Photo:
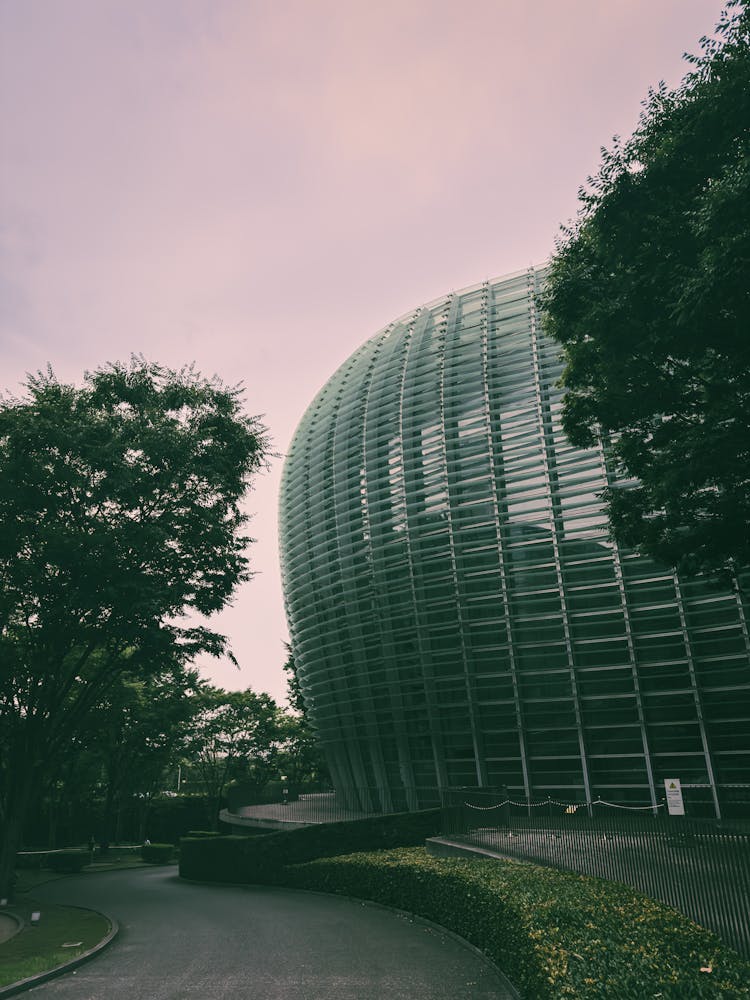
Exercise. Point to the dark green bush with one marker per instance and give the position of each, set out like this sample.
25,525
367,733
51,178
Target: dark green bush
255,859
31,859
555,934
157,854
67,861
170,818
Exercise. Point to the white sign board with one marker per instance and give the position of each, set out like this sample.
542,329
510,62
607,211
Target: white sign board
675,805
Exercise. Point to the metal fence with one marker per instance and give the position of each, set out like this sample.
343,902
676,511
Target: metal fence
337,806
700,867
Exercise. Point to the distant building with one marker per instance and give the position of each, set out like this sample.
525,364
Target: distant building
458,614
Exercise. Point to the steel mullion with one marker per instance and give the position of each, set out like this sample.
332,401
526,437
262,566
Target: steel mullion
504,595
549,461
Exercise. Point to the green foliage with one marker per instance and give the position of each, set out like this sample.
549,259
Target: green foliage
234,735
649,292
157,854
302,759
67,861
120,508
171,817
136,732
31,860
555,934
256,859
201,834
293,687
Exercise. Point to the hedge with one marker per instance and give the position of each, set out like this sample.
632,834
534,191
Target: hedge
157,854
555,934
256,859
67,861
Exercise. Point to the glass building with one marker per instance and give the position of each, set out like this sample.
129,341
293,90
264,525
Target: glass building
458,614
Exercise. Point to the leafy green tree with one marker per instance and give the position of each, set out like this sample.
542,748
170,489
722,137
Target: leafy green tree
649,292
119,513
236,735
139,731
302,759
293,686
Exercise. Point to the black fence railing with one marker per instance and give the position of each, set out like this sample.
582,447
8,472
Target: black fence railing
700,867
337,806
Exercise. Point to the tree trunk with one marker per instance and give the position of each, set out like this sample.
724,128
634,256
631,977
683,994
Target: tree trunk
18,805
108,820
52,820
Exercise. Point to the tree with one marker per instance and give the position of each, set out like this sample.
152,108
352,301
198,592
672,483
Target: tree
649,292
119,513
302,759
137,732
127,752
236,735
293,686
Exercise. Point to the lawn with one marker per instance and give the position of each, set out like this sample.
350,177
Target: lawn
62,933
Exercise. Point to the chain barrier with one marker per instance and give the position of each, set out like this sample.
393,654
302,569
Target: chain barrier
616,805
568,806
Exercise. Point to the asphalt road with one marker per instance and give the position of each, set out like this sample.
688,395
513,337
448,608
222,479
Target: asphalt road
180,941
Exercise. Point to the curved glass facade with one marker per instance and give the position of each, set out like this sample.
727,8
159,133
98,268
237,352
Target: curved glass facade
458,615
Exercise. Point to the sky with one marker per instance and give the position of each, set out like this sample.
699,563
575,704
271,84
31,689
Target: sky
258,186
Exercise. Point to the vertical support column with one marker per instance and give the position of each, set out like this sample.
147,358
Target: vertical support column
736,590
338,701
425,663
696,696
544,416
480,762
406,771
348,571
619,576
498,489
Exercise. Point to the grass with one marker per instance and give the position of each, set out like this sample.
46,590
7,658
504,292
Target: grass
555,934
38,948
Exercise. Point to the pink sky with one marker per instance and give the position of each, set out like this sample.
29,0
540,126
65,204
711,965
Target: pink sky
260,186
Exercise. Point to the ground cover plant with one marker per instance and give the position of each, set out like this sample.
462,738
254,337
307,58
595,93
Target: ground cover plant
39,948
555,934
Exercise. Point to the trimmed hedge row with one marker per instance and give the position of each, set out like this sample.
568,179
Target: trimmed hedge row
257,859
67,861
555,934
157,854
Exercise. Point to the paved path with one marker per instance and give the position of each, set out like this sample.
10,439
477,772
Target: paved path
180,941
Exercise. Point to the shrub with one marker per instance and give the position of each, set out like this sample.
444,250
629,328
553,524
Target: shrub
157,854
33,860
555,934
170,818
67,861
255,859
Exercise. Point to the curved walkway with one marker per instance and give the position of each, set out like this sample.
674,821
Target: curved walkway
180,941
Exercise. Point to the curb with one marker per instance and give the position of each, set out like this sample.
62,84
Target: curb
42,977
425,922
19,921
